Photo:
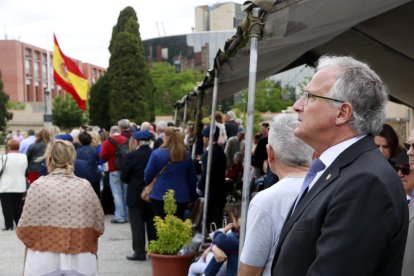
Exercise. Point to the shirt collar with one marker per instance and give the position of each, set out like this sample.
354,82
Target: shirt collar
329,155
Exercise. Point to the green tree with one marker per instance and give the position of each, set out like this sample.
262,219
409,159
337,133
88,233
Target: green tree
99,103
66,114
270,96
131,88
5,115
171,86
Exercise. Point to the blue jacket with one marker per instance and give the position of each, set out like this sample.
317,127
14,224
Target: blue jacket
88,154
179,176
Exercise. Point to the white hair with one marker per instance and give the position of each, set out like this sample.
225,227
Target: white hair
230,114
161,126
289,149
114,129
145,126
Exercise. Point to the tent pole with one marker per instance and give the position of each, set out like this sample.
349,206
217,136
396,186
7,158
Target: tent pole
185,112
175,116
254,36
210,152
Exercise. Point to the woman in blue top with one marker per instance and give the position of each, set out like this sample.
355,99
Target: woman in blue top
179,173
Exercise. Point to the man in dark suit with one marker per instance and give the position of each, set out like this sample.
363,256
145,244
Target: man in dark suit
352,218
230,125
140,213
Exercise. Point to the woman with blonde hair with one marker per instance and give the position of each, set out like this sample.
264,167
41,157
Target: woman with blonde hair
62,219
53,131
173,168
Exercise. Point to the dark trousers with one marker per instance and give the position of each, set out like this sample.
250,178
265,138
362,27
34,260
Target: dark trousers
107,199
215,214
12,205
158,208
141,218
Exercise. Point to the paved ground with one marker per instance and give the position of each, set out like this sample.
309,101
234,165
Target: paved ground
114,245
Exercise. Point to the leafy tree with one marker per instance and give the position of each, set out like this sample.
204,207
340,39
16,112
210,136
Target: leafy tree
99,103
131,89
171,86
66,113
270,96
5,116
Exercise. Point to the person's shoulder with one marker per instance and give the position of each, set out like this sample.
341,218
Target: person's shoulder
281,189
160,151
17,156
119,138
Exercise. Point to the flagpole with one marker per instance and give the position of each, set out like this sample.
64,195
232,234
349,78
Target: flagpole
47,117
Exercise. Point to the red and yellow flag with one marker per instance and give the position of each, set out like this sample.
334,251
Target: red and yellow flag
67,74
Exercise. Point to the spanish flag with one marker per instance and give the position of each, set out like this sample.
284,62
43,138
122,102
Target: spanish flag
67,74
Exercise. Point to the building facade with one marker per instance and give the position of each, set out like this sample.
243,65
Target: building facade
24,75
24,72
218,17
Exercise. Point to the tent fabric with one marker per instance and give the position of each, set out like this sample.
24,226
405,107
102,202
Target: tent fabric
299,31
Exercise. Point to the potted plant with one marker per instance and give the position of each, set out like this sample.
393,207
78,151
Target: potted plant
172,234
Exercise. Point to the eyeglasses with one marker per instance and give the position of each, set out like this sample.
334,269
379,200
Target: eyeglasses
404,170
307,95
408,145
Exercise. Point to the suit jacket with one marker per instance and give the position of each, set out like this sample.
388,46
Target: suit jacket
133,174
408,265
353,221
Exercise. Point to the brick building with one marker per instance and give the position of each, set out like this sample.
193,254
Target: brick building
24,72
24,75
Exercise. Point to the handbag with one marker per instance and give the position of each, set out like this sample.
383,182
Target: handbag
147,189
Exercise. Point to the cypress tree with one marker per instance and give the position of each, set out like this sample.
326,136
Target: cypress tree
131,86
99,103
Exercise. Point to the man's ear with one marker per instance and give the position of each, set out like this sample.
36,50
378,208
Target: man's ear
270,154
344,114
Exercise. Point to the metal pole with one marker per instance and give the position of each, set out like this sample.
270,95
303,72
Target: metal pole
175,116
254,35
210,152
47,117
185,112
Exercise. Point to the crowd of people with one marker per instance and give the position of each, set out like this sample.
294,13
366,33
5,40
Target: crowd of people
333,197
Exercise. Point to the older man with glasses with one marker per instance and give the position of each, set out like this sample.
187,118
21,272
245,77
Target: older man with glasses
349,217
408,265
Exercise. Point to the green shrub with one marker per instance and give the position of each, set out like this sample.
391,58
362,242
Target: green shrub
172,232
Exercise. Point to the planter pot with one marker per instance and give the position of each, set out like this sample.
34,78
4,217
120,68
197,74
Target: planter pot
170,265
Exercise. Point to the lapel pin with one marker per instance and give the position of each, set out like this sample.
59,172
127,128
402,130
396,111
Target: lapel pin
328,177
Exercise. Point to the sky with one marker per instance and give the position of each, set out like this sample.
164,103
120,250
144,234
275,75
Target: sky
84,27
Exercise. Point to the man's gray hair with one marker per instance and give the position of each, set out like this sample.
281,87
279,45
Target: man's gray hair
145,126
161,126
289,149
114,129
230,115
123,123
359,85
